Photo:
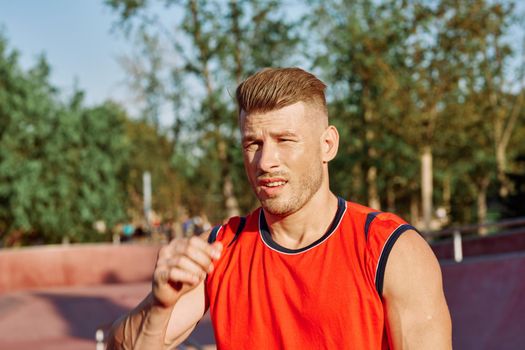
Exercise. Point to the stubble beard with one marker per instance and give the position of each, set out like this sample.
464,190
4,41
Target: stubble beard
301,192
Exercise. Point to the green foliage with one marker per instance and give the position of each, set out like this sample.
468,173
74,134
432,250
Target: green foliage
151,151
60,164
403,76
214,45
410,75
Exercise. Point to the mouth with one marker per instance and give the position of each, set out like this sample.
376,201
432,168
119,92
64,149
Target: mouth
275,184
271,182
271,186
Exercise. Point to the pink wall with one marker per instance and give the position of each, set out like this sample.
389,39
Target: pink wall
489,245
87,264
485,297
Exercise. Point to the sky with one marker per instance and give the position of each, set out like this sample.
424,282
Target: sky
77,40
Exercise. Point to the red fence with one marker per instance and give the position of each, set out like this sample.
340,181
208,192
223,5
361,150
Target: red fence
74,265
485,297
463,241
485,294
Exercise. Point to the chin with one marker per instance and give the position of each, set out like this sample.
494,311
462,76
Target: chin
278,207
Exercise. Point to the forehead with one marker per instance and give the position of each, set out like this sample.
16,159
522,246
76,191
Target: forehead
290,117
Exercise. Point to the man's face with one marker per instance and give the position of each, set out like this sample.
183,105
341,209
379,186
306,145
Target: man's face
282,156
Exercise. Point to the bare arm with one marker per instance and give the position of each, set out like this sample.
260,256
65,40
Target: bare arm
417,312
170,312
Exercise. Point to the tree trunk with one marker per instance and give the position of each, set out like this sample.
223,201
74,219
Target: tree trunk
426,186
237,37
414,208
230,201
501,161
390,198
371,183
232,207
371,172
447,192
482,204
504,122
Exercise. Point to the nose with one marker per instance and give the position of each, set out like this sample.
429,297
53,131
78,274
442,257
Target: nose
268,157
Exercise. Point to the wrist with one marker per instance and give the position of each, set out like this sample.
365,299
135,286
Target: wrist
159,307
155,318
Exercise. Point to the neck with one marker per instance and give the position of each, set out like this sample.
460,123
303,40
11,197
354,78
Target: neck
299,229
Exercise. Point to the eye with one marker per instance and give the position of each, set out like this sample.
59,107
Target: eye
252,146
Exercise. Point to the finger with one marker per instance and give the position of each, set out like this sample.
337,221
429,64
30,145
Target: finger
203,258
213,250
176,275
187,264
184,276
217,247
174,245
198,250
179,245
195,248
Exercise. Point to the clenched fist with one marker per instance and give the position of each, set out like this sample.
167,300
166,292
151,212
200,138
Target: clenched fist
181,266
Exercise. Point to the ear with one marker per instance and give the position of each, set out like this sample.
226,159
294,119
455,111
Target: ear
329,143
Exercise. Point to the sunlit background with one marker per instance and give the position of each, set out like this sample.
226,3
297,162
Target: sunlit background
118,127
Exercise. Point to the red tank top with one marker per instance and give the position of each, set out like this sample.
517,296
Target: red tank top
323,296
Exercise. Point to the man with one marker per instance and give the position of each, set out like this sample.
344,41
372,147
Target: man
307,270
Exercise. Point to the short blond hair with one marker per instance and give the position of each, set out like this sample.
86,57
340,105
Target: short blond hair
275,88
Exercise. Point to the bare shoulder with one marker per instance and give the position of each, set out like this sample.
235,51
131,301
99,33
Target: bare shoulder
412,269
416,308
410,253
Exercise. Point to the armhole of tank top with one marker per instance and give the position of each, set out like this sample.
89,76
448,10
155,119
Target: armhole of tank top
369,218
213,234
385,252
242,222
215,231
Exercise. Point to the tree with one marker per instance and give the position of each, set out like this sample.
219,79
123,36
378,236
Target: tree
212,46
365,52
59,162
409,78
150,150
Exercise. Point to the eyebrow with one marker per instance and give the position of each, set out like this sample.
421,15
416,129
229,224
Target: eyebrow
284,133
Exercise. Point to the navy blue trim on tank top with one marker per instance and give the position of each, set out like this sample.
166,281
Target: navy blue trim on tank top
389,244
268,240
242,222
369,218
213,234
214,231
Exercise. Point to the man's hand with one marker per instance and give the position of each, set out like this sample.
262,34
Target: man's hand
181,266
169,313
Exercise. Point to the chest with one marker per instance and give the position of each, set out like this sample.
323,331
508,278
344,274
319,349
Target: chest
322,286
